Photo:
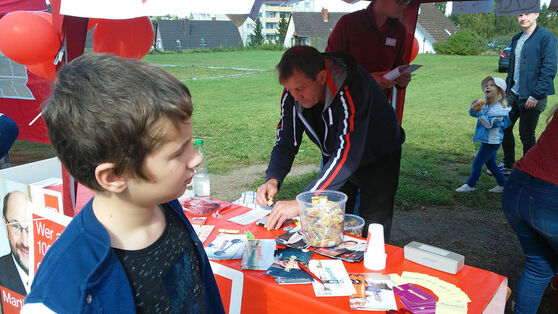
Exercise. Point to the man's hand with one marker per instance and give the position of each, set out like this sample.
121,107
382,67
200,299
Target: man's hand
282,211
267,191
383,82
403,80
530,103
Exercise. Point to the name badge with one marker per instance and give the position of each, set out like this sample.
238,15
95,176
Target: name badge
391,42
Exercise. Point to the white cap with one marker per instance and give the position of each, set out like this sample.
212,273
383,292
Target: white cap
500,82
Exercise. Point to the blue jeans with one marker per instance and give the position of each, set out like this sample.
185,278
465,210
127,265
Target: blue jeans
486,155
528,119
531,208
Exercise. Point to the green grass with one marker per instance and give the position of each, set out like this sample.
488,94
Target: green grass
237,115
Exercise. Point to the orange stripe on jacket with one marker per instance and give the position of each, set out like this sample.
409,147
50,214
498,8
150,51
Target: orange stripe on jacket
347,146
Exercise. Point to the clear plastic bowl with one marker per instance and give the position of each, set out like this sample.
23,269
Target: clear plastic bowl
353,225
322,223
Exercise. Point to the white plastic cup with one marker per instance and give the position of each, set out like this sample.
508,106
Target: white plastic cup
375,254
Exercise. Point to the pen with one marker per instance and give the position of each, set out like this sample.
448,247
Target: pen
303,267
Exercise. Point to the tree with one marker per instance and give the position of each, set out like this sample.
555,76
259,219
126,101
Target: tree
548,19
441,6
257,38
282,30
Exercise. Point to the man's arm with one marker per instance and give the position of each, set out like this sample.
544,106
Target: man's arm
289,136
547,70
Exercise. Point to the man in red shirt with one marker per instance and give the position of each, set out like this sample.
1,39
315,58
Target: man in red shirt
375,38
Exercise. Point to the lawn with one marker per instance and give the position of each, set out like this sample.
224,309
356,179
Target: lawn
236,108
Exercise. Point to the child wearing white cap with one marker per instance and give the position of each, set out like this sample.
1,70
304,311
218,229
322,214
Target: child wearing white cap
492,113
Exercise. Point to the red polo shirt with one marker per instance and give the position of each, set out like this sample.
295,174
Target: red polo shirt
541,161
375,49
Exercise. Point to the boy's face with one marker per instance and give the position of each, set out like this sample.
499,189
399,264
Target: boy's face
169,168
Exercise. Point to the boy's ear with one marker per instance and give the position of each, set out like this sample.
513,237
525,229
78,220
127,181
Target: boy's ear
108,180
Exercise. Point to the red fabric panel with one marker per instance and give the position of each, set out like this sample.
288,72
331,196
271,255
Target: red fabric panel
24,111
7,6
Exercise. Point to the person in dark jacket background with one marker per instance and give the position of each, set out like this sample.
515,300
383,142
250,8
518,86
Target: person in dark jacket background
530,80
346,114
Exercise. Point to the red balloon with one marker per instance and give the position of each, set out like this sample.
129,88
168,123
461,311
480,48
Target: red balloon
45,70
131,38
415,49
28,38
45,15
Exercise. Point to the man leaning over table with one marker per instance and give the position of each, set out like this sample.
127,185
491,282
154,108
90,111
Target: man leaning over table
345,113
376,39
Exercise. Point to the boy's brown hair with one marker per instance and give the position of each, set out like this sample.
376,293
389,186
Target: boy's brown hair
105,108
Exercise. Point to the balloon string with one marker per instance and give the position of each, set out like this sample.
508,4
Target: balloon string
35,119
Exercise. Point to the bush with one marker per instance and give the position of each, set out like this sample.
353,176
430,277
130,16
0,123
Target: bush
461,43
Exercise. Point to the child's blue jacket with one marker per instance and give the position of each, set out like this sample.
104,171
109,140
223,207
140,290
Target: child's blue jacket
81,273
491,123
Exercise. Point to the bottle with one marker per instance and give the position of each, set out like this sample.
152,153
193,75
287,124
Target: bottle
201,173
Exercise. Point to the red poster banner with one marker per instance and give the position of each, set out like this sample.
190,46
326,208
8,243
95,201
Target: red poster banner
45,232
11,301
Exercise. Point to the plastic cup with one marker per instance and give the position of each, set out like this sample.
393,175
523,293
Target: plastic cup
353,225
375,254
322,221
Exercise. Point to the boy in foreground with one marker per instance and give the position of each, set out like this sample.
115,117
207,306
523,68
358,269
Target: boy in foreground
123,128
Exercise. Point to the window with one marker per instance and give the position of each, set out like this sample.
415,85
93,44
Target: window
270,25
269,14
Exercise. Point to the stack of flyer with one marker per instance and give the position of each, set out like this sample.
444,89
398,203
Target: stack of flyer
374,292
350,250
226,246
332,273
285,268
292,238
258,254
415,299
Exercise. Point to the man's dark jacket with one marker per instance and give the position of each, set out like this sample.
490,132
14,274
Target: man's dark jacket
538,64
353,128
9,276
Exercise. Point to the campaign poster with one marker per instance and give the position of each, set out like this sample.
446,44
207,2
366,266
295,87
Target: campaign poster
28,230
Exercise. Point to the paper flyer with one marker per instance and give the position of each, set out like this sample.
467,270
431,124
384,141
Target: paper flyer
226,246
406,68
203,231
374,292
334,276
258,254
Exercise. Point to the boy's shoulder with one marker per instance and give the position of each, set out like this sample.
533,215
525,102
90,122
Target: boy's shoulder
81,247
72,258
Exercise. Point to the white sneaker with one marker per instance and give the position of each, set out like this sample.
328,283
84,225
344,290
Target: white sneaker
464,188
497,189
